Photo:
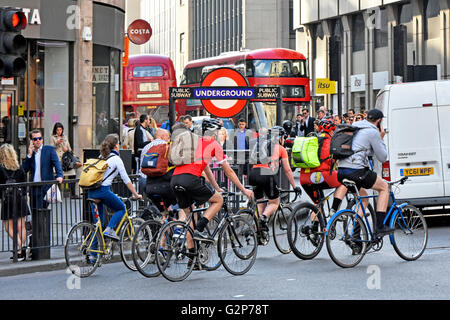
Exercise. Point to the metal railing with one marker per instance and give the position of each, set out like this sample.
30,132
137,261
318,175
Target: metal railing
29,222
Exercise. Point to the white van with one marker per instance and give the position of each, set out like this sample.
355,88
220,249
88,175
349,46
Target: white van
417,123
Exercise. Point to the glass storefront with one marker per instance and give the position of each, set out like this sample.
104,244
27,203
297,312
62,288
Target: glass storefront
48,86
106,93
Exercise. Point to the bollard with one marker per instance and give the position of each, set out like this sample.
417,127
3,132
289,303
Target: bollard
40,240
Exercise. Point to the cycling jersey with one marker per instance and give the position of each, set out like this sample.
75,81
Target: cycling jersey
207,149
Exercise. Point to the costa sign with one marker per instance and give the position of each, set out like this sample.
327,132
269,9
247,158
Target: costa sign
139,32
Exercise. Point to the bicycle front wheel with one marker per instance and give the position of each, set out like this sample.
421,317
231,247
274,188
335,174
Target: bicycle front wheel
144,248
237,245
347,239
81,242
175,262
126,236
305,235
280,227
411,233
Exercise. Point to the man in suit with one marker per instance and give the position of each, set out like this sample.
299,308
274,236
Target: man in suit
308,122
297,130
41,162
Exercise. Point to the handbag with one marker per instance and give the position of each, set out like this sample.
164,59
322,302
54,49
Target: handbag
53,195
69,161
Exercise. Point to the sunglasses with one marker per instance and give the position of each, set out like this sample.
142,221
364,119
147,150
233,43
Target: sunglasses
36,139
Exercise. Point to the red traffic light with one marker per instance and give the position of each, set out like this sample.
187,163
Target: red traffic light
12,20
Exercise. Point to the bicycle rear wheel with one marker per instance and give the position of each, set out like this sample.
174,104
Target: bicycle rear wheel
280,227
80,241
127,233
175,263
144,248
347,239
237,245
411,233
304,236
209,255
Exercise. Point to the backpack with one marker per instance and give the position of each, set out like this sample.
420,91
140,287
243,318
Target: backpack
92,174
306,152
341,141
262,150
155,161
183,147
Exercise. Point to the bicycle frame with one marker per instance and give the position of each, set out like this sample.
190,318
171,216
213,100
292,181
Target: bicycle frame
389,217
99,229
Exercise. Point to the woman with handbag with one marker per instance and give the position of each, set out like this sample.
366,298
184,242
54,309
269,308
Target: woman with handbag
14,200
61,143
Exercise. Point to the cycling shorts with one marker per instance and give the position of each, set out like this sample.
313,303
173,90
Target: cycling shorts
364,178
264,182
189,189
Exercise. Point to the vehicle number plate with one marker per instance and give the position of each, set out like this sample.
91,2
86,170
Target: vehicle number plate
417,172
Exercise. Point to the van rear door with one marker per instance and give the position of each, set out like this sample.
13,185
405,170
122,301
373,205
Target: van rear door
443,100
415,146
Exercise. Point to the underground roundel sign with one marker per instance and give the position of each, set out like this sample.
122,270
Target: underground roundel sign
224,92
139,31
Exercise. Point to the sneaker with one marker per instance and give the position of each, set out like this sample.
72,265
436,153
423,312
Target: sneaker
110,233
383,231
203,236
20,256
264,225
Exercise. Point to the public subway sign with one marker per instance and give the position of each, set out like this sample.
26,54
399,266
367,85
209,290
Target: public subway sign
139,32
224,92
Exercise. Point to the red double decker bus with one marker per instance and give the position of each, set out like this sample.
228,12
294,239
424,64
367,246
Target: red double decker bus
146,83
279,67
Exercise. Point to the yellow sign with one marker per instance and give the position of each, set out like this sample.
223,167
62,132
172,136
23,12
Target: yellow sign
417,171
20,110
325,86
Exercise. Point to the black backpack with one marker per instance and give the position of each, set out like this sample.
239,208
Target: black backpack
262,150
341,141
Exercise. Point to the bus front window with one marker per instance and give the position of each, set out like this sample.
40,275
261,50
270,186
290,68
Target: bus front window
277,68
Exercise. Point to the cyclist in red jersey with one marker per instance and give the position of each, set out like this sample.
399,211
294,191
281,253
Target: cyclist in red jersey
190,186
263,177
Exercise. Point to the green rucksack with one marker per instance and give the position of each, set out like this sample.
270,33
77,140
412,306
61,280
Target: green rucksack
306,152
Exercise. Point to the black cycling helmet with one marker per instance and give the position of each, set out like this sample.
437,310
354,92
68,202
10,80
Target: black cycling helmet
287,125
211,124
278,130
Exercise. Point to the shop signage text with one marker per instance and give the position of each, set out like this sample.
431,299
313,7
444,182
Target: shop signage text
139,32
100,74
33,15
325,86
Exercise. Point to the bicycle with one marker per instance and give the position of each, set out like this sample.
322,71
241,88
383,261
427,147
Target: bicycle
305,227
145,251
86,248
349,236
235,237
279,221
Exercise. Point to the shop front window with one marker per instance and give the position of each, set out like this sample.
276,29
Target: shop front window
106,93
48,87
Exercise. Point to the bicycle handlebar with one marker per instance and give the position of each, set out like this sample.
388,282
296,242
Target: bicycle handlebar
400,181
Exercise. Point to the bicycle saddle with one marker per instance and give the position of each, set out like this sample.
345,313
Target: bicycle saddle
348,183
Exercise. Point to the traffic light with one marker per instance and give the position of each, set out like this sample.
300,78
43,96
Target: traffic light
12,44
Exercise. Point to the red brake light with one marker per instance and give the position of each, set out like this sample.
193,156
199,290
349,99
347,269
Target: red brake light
386,171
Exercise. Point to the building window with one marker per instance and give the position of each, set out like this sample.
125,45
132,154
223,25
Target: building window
381,35
358,33
405,14
431,29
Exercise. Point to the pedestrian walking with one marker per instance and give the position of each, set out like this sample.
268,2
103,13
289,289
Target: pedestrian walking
14,203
